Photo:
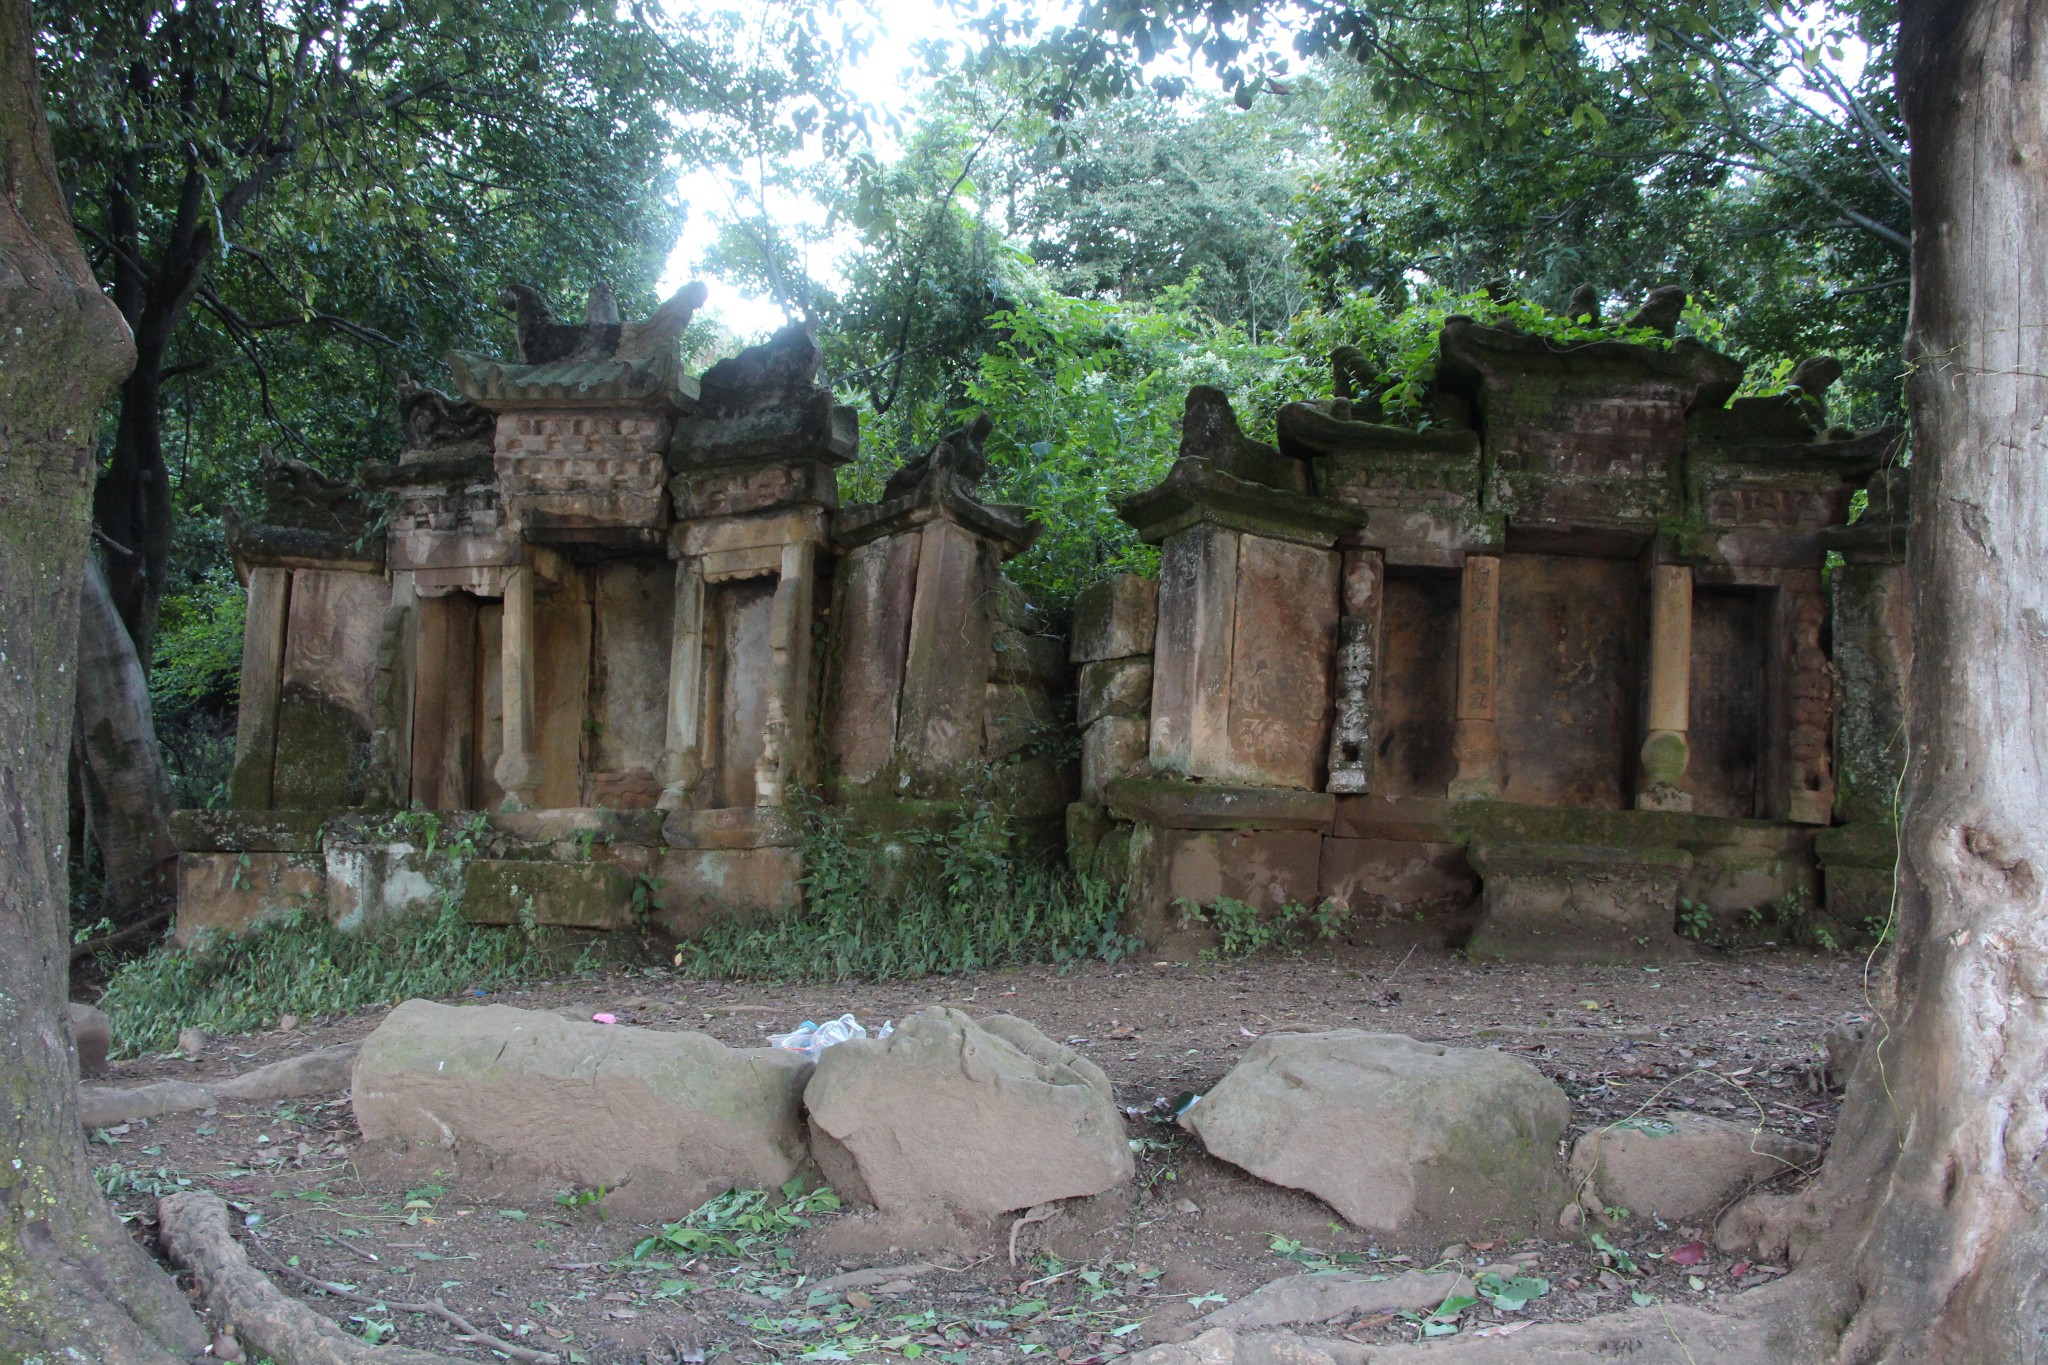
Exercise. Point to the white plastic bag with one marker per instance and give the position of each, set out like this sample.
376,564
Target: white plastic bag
811,1039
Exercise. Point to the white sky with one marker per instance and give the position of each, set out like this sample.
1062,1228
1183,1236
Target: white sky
886,77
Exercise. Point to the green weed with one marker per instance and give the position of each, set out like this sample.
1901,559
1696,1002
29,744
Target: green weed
1695,920
934,903
1244,929
303,965
746,1225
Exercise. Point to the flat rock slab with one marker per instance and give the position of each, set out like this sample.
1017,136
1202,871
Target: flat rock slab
951,1116
526,1098
1680,1166
1337,1294
1396,1135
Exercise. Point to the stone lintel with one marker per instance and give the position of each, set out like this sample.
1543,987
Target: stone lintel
1867,542
654,382
294,547
944,496
1473,356
445,467
1850,458
249,831
732,827
810,428
707,537
1196,493
1198,805
1309,430
738,489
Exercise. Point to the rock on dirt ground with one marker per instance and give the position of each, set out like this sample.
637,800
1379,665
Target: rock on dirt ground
1396,1135
524,1098
93,1033
1680,1166
956,1117
1107,1278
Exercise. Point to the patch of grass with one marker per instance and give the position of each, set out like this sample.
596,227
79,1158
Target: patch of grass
1243,929
955,901
303,965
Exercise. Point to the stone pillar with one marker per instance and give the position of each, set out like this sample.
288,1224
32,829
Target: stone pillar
682,754
946,664
1358,651
518,770
1810,794
263,635
786,748
1475,742
1665,750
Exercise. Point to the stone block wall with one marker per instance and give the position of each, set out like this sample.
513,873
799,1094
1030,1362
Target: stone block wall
1114,624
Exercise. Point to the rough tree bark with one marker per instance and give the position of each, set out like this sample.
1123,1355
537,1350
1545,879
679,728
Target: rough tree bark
1948,1121
127,788
72,1282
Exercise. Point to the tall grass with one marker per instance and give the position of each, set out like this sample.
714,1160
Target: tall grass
303,965
932,903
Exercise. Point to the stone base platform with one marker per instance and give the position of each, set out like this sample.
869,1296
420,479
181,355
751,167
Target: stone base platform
1519,882
586,868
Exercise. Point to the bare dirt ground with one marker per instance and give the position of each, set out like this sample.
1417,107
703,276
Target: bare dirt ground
1736,1037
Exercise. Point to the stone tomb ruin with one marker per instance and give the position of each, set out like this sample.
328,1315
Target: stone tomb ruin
611,623
1523,678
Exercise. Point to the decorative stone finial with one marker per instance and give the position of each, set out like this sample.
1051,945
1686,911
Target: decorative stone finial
1584,305
1660,311
601,308
431,419
784,369
958,451
665,325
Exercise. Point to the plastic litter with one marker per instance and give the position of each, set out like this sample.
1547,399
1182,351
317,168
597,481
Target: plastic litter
604,1018
811,1038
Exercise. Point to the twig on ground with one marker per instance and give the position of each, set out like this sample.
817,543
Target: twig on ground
467,1331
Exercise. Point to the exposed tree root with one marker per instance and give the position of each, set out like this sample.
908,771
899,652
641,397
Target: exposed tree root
198,1233
322,1072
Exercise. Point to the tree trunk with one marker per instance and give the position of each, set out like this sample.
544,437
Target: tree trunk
132,500
127,789
73,1284
1953,1261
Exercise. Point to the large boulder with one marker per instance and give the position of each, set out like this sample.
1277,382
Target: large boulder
532,1102
1396,1135
1680,1166
955,1118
